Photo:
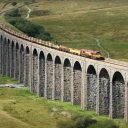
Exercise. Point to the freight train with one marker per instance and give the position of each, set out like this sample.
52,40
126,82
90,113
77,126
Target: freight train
82,52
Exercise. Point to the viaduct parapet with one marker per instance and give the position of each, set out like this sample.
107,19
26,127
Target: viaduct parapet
94,85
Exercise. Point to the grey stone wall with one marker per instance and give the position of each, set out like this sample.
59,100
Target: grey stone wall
12,60
77,87
67,84
42,76
118,99
4,58
49,79
21,66
27,69
91,91
0,56
104,96
17,55
7,58
35,73
58,68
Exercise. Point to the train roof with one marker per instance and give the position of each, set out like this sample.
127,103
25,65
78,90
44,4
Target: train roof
91,51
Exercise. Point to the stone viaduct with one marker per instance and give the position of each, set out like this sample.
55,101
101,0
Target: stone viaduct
94,85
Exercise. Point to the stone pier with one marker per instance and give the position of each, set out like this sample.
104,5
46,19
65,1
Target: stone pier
58,68
22,52
41,74
77,82
35,72
67,81
49,77
17,73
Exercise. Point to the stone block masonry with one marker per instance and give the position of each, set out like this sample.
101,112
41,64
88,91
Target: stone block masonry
67,84
104,96
91,92
42,76
12,59
35,73
8,60
17,64
77,87
49,79
58,68
118,99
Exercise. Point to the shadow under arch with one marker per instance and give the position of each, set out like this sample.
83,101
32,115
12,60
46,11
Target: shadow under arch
27,50
77,83
104,92
1,38
57,60
91,88
49,57
118,95
35,53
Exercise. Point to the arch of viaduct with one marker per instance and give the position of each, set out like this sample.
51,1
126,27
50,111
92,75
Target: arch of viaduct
94,85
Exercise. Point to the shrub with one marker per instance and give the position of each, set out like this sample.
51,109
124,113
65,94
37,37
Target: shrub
14,3
29,28
86,122
106,124
77,122
13,13
65,124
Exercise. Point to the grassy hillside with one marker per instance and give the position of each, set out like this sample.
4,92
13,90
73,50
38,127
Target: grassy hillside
19,108
80,23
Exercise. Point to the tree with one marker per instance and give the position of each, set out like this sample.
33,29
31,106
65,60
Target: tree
14,3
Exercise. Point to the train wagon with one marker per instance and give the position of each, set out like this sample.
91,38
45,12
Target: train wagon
75,51
54,46
64,49
91,54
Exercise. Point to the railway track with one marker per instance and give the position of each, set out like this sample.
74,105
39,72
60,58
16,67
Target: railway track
116,62
34,40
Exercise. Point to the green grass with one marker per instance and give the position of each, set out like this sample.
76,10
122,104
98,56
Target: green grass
7,80
19,108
